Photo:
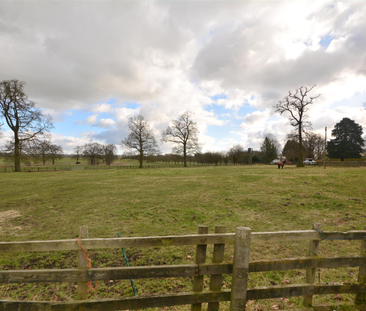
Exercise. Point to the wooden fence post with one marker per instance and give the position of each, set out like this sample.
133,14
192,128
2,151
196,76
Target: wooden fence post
361,298
240,269
310,273
200,258
82,264
218,257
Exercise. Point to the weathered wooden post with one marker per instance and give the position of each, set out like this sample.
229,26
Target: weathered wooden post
310,273
361,298
200,258
218,257
82,264
240,269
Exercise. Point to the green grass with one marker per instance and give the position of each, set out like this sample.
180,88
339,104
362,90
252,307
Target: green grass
53,205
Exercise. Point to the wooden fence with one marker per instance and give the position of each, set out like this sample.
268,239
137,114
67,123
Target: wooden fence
240,269
10,169
34,169
345,163
179,165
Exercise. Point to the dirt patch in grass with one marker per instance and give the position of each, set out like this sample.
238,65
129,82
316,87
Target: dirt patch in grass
6,216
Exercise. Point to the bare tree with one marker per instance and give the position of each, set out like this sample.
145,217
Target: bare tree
141,138
236,153
78,153
314,145
210,157
110,153
22,117
56,152
42,150
183,132
39,149
25,155
93,152
297,104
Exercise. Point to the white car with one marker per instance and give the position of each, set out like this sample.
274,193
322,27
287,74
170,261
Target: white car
309,161
275,161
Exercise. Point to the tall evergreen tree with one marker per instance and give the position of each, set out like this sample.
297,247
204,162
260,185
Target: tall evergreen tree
269,149
348,141
290,151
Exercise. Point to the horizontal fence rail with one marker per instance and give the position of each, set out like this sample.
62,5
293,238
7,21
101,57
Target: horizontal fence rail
109,167
153,165
197,239
240,269
345,163
100,274
35,169
158,301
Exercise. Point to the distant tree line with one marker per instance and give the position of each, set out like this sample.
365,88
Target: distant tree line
32,142
96,153
36,150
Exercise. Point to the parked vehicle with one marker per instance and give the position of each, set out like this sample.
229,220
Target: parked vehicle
275,161
309,161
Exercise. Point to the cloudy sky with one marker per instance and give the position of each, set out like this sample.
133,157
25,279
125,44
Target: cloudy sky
94,64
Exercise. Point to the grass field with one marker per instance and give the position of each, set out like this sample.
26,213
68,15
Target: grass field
52,205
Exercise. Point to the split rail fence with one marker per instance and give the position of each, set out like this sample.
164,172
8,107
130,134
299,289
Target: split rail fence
240,269
35,169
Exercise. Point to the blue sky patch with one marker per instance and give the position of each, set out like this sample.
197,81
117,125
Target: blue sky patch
326,40
132,105
219,96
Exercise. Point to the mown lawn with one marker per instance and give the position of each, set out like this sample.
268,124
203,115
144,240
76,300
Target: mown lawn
53,205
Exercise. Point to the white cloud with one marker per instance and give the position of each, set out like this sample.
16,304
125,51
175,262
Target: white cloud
91,119
181,54
255,118
70,142
106,123
100,108
345,86
235,99
122,114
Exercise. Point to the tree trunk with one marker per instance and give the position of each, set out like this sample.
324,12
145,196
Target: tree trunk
185,155
301,156
141,158
16,153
